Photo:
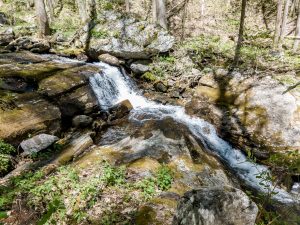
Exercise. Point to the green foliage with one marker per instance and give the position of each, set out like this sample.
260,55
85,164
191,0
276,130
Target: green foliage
164,178
148,187
148,76
5,163
6,148
113,175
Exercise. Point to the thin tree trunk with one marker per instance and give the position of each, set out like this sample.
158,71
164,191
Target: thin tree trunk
51,9
202,7
42,18
297,34
81,4
284,22
127,3
241,35
161,13
154,17
184,20
278,23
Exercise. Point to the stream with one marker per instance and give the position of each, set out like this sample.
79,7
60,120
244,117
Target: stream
113,86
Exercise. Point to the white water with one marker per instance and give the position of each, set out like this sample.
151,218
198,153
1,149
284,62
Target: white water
112,86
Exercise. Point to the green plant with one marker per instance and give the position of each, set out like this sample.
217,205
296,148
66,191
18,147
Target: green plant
113,175
5,163
148,76
164,178
6,148
148,187
99,34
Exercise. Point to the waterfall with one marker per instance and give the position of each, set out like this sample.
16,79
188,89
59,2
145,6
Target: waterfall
112,86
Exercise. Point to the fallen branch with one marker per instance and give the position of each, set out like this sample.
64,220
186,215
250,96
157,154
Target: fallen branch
291,87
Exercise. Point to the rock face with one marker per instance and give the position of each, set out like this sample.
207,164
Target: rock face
216,206
249,111
28,114
125,37
38,143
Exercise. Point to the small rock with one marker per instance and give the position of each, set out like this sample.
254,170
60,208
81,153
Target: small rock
38,143
82,121
161,87
120,110
109,59
216,206
139,67
6,37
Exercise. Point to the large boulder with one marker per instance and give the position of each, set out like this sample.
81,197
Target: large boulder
125,37
24,114
27,43
249,111
216,206
107,58
120,110
38,143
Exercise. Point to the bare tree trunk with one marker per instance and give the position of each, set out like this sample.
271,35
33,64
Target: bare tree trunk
202,3
278,23
127,3
183,20
81,4
241,35
161,13
154,11
42,18
284,22
51,9
297,34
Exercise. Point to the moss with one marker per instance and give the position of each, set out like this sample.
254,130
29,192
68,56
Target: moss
148,76
146,216
145,164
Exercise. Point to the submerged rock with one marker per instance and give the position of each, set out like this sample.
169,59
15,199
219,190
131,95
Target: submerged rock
38,143
216,206
125,37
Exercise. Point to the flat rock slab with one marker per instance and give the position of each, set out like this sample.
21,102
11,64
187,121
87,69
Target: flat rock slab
38,143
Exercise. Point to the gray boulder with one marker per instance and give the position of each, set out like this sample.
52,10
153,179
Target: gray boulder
82,121
38,143
125,37
216,206
139,67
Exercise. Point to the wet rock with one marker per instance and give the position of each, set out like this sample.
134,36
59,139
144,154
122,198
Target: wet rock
120,110
216,206
29,114
82,121
38,143
79,101
6,37
125,37
161,87
140,67
109,59
16,84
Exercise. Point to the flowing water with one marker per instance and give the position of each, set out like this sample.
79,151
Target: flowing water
113,86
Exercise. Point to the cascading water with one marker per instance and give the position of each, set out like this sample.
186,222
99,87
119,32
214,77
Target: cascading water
112,87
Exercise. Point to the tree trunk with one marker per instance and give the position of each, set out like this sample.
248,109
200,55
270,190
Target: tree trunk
284,22
42,18
81,4
154,11
278,23
51,9
161,13
127,3
297,34
241,35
